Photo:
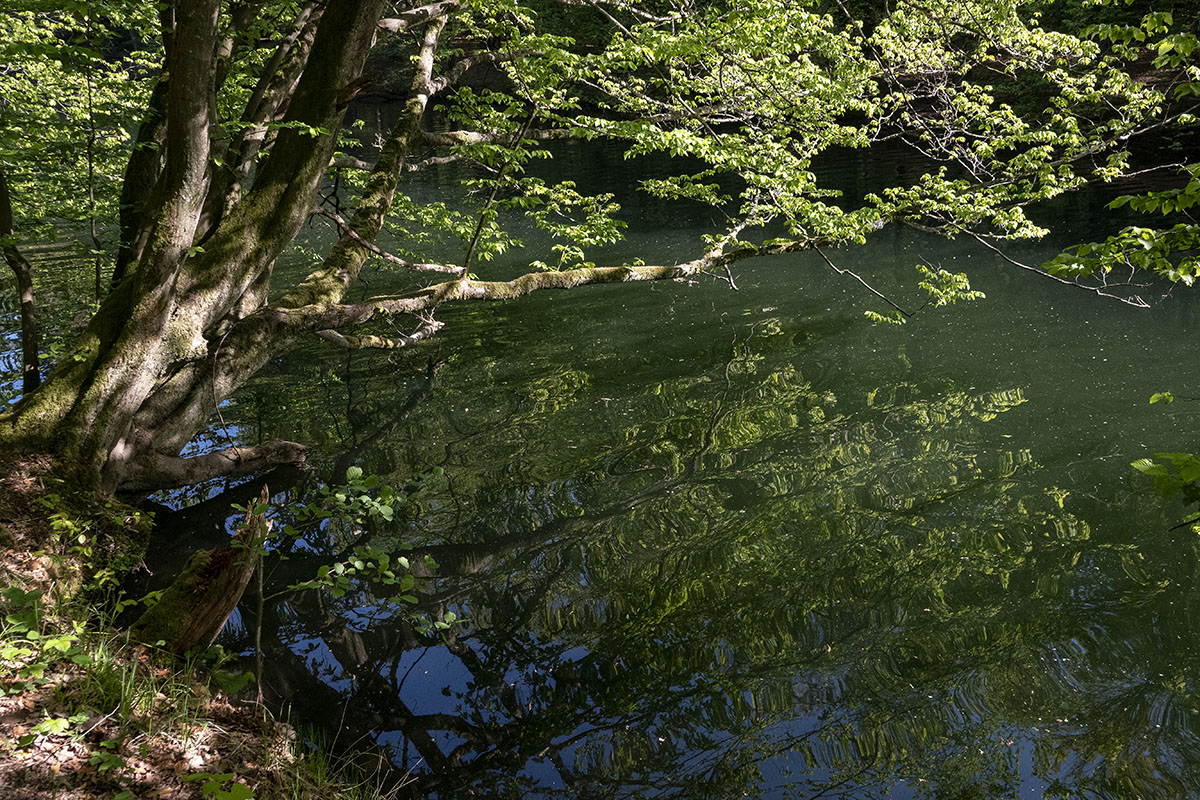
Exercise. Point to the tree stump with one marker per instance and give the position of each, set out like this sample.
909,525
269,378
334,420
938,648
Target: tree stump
194,608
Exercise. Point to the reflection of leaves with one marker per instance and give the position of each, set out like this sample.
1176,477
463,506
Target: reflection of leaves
753,501
738,571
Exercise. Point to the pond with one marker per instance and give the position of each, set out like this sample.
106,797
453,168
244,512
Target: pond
714,543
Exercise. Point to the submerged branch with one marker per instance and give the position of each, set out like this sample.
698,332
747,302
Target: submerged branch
382,342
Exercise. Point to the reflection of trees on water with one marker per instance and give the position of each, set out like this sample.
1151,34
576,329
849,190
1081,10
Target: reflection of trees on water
742,582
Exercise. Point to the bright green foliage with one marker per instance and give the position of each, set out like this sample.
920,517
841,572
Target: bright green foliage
727,105
1181,473
1168,251
742,97
946,288
73,74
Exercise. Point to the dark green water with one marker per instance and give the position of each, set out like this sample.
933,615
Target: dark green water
708,543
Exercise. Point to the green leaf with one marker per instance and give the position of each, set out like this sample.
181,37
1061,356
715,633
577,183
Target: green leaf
239,791
1149,467
53,727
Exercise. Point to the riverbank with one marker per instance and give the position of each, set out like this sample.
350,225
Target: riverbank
86,713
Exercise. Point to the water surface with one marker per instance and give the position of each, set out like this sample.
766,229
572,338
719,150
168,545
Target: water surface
716,543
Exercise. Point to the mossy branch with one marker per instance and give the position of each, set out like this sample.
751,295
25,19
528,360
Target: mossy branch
328,316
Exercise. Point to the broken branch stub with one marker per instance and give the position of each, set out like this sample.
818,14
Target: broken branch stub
194,609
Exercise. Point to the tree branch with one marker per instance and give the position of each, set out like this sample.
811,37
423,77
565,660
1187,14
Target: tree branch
1136,301
344,261
621,5
190,63
417,16
453,138
346,230
156,470
856,277
320,316
460,67
348,162
430,327
267,102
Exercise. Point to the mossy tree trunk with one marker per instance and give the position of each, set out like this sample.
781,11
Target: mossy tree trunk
178,297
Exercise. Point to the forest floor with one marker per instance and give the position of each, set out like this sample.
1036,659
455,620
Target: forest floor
85,714
213,750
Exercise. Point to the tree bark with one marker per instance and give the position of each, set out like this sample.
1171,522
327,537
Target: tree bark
141,174
157,319
268,102
189,323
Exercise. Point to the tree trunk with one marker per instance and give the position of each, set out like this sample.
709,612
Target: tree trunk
190,321
30,375
161,320
141,174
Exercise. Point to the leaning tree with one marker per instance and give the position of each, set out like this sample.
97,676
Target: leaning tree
240,131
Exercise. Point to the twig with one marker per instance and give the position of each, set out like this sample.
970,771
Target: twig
1136,301
495,190
856,277
1192,521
